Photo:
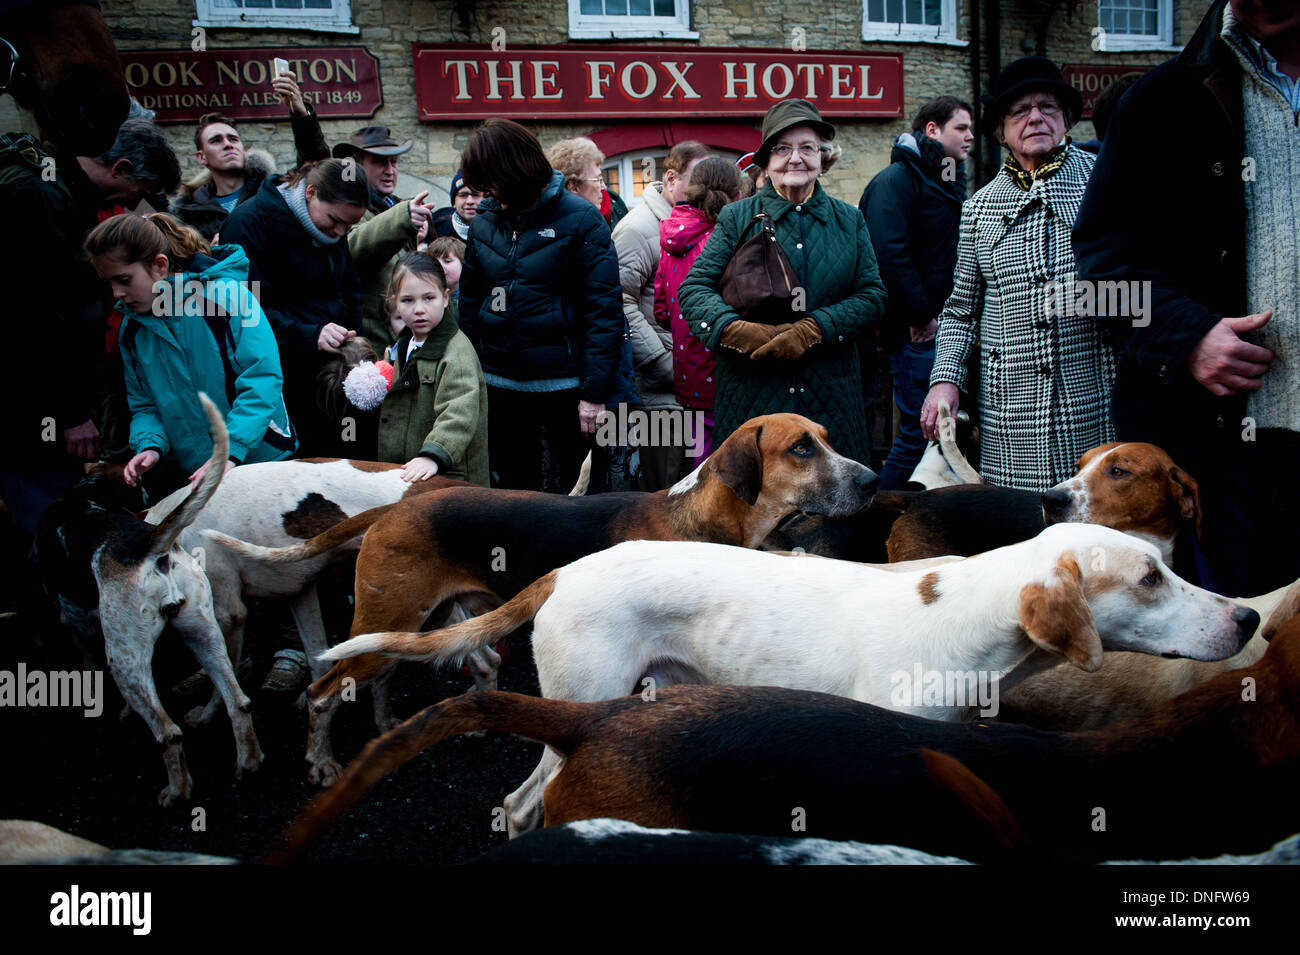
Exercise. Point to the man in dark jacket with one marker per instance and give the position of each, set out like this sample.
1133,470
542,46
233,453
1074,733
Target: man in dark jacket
913,211
55,304
228,179
1199,238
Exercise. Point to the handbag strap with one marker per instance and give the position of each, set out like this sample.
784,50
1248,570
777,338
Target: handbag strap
762,217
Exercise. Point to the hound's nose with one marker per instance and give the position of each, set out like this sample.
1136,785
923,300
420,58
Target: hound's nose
867,480
1247,622
1056,500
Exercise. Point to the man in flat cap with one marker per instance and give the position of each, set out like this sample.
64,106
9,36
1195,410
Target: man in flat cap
388,230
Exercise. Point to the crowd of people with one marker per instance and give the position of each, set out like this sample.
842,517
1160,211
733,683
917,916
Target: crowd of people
534,303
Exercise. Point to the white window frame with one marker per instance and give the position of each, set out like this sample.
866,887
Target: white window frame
1133,42
591,26
629,164
338,19
944,34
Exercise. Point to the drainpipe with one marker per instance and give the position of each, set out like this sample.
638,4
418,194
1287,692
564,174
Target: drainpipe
993,61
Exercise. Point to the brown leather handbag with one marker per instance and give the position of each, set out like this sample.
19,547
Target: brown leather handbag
759,282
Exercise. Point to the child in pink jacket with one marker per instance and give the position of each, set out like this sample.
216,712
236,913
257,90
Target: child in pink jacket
714,183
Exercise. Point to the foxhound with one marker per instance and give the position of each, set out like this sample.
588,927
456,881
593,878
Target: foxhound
765,760
145,580
681,612
475,547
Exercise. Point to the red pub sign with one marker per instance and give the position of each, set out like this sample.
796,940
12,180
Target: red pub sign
463,82
182,85
1091,80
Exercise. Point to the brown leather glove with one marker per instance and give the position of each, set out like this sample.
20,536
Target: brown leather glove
793,342
744,337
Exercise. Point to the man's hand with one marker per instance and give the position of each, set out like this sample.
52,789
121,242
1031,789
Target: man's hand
792,342
136,467
747,337
419,468
589,415
925,333
1224,363
82,440
420,212
332,336
197,476
943,391
287,88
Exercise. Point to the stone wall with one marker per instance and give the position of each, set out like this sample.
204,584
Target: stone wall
388,27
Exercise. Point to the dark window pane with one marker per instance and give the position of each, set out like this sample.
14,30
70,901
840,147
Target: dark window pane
913,11
665,8
894,11
876,11
288,4
318,4
641,8
590,7
933,13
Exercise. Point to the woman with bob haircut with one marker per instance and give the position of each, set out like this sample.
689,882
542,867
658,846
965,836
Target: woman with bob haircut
541,302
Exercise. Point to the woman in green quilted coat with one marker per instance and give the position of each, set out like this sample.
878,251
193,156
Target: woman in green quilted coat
809,364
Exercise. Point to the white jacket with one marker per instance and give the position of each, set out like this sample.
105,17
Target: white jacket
636,239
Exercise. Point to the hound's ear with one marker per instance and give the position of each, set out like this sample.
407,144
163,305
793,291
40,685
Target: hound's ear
1057,618
1185,493
738,463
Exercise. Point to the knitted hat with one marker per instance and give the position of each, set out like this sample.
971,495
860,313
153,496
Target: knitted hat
456,182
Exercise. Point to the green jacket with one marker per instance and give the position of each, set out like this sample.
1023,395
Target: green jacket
377,244
826,241
169,358
438,405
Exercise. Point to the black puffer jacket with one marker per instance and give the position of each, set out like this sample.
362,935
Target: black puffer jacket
540,295
914,215
303,286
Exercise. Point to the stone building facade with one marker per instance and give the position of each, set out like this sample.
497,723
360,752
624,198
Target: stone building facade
946,46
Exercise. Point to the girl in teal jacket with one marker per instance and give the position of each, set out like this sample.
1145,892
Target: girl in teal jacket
191,324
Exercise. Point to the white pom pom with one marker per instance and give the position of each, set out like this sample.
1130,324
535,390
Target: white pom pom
365,386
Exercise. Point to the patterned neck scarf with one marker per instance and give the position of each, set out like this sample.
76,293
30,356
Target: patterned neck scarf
1025,179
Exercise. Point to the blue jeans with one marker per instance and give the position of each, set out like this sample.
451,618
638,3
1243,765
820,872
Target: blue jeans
911,367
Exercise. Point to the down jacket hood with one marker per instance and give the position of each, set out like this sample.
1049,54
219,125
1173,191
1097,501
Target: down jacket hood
683,230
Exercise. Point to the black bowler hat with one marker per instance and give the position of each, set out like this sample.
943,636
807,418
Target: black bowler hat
376,140
1026,75
788,114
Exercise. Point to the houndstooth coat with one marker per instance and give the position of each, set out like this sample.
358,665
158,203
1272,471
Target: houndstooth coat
1044,377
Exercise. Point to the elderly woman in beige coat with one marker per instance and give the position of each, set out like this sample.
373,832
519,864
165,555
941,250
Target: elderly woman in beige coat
1045,371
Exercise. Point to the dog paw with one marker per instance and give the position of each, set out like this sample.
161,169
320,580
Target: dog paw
250,764
324,772
174,794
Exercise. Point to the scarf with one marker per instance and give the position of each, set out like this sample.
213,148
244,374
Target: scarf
461,226
296,198
1025,179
